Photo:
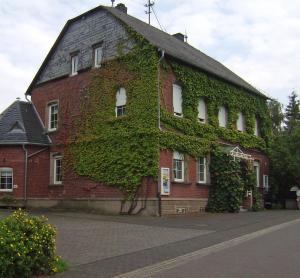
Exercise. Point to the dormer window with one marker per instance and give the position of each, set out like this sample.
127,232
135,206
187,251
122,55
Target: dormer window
256,127
98,54
177,100
240,123
202,112
53,116
222,116
74,64
121,100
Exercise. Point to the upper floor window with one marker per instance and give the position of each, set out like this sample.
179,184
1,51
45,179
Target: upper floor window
240,123
202,111
53,116
74,64
98,54
202,169
256,127
222,116
177,100
121,100
178,166
6,179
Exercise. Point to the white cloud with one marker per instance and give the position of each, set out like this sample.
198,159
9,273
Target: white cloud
259,40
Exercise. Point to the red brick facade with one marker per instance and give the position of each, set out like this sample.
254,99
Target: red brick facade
70,93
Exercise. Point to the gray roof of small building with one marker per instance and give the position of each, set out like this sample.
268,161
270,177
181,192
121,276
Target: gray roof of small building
20,124
172,46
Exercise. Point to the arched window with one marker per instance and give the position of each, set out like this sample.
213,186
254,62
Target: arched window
240,123
202,112
177,100
222,116
256,127
121,100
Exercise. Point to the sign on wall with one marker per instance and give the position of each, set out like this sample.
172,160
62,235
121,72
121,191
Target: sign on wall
165,181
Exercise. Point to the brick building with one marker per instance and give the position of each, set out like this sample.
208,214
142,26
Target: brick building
34,135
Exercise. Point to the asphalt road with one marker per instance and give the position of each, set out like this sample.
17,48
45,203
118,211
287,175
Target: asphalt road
275,254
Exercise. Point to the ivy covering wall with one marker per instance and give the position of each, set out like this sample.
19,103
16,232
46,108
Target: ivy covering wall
121,151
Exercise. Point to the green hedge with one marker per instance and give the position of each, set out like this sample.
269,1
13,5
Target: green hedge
27,246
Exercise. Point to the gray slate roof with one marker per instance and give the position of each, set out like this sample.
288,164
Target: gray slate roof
173,47
20,124
181,50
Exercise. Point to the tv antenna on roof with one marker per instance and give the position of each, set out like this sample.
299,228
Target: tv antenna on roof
112,2
148,12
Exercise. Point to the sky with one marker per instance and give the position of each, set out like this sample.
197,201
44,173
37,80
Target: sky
257,39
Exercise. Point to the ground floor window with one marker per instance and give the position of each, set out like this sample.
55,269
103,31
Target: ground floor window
56,169
178,166
256,168
266,183
202,169
6,179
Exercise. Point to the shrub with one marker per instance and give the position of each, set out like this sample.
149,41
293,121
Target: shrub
27,246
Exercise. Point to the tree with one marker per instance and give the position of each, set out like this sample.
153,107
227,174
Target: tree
276,114
292,113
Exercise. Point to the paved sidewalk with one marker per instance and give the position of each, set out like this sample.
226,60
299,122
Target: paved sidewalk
105,246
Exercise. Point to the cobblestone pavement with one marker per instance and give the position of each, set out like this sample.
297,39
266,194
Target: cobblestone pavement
104,246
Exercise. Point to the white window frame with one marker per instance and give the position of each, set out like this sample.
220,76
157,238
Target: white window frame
7,169
256,167
55,159
50,108
74,64
121,101
177,101
202,111
98,55
223,116
266,182
199,164
178,158
241,122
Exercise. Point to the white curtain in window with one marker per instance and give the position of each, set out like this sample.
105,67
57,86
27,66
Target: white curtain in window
121,97
222,116
177,99
240,124
202,110
177,155
256,127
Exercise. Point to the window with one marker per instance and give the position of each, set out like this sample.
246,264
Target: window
6,179
74,64
56,177
256,168
121,100
178,167
222,116
266,182
53,116
202,113
202,170
256,127
98,54
177,100
240,124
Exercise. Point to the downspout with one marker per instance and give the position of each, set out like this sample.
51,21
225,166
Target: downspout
159,125
25,173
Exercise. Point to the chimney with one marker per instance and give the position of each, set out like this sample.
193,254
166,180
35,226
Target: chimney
179,36
121,7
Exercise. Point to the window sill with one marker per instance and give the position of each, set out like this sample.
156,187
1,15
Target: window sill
52,130
6,190
182,182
